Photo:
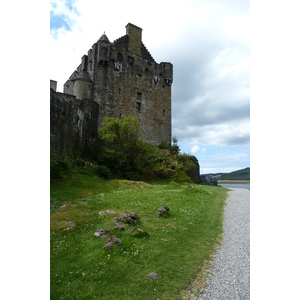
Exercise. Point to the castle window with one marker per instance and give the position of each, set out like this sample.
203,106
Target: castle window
164,113
139,77
139,96
138,101
119,90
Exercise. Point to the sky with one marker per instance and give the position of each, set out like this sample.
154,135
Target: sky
208,43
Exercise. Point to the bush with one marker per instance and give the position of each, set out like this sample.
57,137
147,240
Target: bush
103,171
59,166
119,139
132,175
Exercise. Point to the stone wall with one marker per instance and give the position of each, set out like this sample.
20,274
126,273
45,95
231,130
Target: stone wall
70,125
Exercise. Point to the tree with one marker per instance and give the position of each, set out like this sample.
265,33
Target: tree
120,142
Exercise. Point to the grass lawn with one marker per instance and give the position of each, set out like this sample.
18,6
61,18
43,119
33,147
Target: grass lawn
174,246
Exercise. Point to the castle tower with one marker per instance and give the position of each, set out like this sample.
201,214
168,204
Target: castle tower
82,83
121,78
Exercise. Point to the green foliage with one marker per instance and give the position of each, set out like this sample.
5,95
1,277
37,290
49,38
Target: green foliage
123,154
59,167
103,171
174,148
120,142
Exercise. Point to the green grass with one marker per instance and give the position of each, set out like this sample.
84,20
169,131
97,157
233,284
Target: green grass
174,247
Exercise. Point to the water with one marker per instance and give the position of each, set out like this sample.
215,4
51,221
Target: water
236,185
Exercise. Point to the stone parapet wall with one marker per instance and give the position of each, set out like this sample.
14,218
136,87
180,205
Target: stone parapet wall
70,126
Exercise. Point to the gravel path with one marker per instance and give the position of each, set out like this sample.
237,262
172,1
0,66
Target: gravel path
230,270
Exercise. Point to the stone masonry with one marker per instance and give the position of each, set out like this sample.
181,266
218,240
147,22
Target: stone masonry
116,80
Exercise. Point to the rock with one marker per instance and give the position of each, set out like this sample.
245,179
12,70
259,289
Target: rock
101,233
120,226
112,241
108,211
190,186
128,218
194,171
71,223
208,180
152,276
163,211
135,231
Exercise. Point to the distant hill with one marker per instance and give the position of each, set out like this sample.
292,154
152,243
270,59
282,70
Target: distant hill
243,174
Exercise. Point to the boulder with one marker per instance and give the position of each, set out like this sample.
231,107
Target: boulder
152,276
134,230
208,180
112,241
128,218
121,227
102,233
194,171
163,211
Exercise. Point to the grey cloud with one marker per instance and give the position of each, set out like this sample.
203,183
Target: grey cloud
210,87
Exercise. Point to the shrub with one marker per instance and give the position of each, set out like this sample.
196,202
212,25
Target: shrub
103,171
59,166
120,142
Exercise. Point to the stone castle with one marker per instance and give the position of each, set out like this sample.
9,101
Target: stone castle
115,79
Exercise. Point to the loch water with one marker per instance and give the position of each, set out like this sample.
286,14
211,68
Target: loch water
236,185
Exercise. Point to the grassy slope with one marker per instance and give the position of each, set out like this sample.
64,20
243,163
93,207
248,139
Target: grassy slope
174,247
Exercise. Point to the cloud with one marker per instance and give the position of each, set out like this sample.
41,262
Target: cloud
195,149
63,15
212,90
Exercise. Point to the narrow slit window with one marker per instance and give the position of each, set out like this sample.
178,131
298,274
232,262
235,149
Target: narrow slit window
139,96
138,101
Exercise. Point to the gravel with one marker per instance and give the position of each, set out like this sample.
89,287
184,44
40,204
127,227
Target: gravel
230,271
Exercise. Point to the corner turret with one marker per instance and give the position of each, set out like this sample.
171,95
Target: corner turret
82,83
166,72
